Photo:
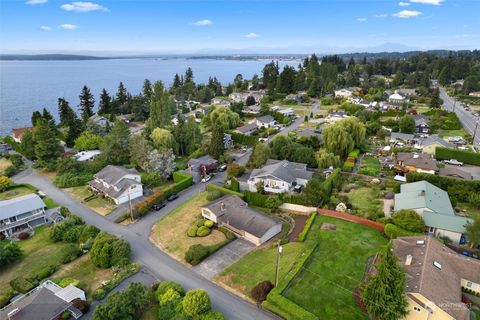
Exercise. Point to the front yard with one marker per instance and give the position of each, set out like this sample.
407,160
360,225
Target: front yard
170,232
16,192
99,205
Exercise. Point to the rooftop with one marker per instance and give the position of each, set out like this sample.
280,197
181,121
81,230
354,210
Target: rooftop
19,205
113,174
283,170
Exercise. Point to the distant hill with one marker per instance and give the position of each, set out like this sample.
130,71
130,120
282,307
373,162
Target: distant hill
38,57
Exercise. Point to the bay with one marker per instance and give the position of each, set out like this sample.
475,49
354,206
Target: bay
26,86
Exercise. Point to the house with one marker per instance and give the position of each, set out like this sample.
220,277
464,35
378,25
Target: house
20,213
400,138
454,172
234,214
18,133
435,276
421,123
398,97
279,176
289,112
422,162
242,96
344,92
198,167
87,155
265,121
100,120
429,145
407,92
475,94
335,116
247,129
220,102
227,141
254,109
433,205
118,183
48,301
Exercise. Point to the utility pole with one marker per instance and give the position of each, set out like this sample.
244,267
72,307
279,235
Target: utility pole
454,104
277,268
475,132
130,205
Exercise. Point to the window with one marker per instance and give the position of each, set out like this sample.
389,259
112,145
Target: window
133,187
469,284
431,229
416,309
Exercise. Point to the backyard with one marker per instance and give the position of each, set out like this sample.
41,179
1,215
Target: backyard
170,232
14,192
99,205
370,166
452,133
365,199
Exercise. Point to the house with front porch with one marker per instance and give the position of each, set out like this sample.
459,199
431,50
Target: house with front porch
434,206
279,176
21,213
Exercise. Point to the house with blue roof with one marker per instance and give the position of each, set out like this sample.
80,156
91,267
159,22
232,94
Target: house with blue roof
433,205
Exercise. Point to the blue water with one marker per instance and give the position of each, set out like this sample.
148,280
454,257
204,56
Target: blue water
26,86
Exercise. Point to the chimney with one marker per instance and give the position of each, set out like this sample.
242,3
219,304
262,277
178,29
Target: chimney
408,261
222,206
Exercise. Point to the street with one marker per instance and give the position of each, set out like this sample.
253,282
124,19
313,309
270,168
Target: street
468,120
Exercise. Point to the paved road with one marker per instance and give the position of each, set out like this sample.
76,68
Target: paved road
468,120
158,263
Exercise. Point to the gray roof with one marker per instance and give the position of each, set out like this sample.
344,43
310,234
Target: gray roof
206,160
401,136
442,286
19,205
266,119
454,171
247,128
113,174
309,132
38,304
237,214
283,170
420,118
436,139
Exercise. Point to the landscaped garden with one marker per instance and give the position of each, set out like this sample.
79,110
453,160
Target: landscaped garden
97,204
4,164
370,166
170,232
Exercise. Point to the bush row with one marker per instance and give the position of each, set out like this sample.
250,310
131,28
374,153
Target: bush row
465,156
302,235
241,138
197,252
223,191
392,231
286,308
444,182
123,274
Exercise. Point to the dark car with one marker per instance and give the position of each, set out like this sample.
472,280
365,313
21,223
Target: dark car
158,206
172,197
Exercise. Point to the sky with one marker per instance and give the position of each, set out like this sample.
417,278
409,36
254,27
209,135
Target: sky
226,26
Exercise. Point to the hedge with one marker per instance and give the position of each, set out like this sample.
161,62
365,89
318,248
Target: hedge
392,231
5,297
302,235
348,166
255,198
354,154
223,191
465,156
241,138
443,182
22,285
182,181
285,308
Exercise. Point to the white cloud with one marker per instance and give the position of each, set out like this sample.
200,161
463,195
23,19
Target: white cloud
251,35
381,15
403,4
79,6
361,20
45,28
33,2
407,14
432,2
68,26
202,23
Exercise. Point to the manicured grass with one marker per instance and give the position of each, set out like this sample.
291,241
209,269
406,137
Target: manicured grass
370,166
50,203
39,252
99,205
15,192
364,198
258,266
452,133
4,164
469,209
324,286
82,269
170,232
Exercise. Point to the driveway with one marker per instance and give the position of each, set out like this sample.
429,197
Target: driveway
473,170
224,258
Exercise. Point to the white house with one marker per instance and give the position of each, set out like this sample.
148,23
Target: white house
289,112
279,176
86,155
344,92
118,183
398,97
265,121
234,214
99,120
336,116
17,214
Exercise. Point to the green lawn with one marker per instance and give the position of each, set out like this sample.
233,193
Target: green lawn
452,133
99,205
364,199
370,166
15,192
50,203
324,286
469,209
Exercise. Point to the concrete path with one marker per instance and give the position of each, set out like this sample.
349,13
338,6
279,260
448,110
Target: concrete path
387,204
223,258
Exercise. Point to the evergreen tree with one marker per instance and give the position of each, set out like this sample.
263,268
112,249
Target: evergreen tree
270,75
147,89
160,107
121,99
177,83
435,101
87,103
105,103
286,81
27,145
75,128
188,75
216,146
47,116
116,147
193,136
384,293
65,112
179,134
47,146
35,116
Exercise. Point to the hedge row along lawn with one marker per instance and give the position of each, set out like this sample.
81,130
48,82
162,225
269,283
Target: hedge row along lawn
464,156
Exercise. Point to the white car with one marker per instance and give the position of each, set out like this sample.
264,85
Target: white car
454,162
206,178
262,139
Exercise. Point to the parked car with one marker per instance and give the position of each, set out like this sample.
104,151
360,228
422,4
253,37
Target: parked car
297,188
206,178
172,197
158,206
262,139
223,167
476,114
454,162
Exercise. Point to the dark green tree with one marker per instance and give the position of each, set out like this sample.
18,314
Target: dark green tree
147,89
105,103
28,145
47,145
406,124
160,107
65,112
35,116
75,128
270,75
435,101
193,136
87,103
116,146
216,147
409,220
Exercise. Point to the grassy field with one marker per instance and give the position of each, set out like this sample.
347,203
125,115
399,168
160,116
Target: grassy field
82,269
363,198
15,192
4,164
452,133
335,268
370,166
39,252
50,203
99,205
170,232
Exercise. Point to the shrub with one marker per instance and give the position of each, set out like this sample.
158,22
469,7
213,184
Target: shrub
235,170
223,191
354,154
5,297
151,179
70,253
255,198
260,291
465,156
182,181
228,234
203,231
409,220
348,166
10,171
392,231
213,195
196,302
168,297
23,235
196,253
302,235
9,253
66,281
273,202
211,315
99,294
286,308
21,285
192,231
141,208
45,272
72,234
208,223
88,232
164,286
68,180
81,305
120,253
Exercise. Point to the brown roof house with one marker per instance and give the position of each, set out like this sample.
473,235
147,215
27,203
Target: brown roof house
454,172
435,275
18,133
422,162
234,214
